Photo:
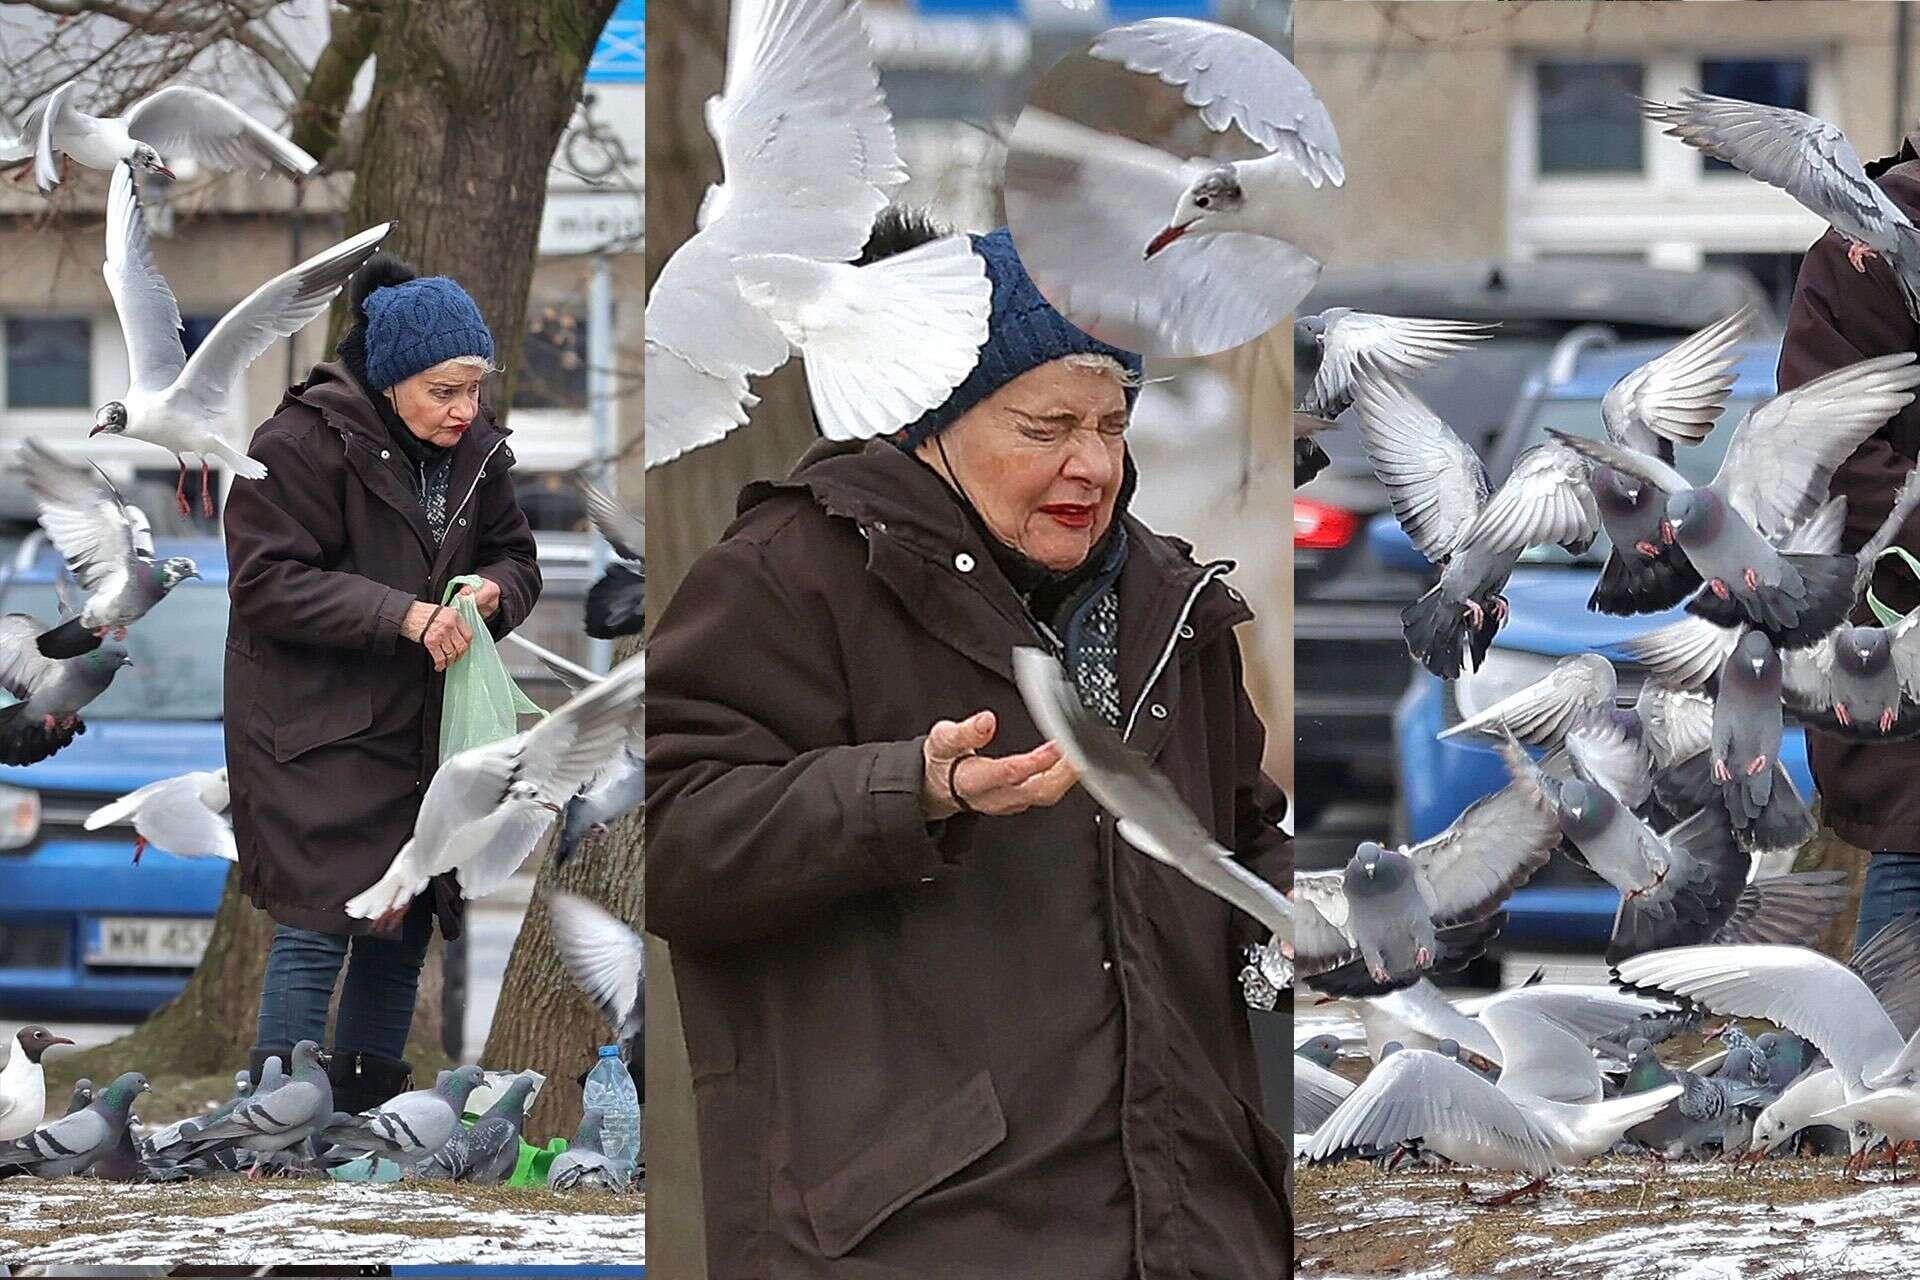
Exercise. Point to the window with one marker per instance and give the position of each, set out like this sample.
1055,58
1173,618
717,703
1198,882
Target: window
1589,121
1773,82
553,360
49,363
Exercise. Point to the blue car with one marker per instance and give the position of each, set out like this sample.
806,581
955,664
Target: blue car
82,929
1565,907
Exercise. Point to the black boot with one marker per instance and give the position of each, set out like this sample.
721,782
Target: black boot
257,1060
362,1081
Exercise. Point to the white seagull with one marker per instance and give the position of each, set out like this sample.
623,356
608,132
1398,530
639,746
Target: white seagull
488,807
174,402
808,153
23,1083
178,815
175,121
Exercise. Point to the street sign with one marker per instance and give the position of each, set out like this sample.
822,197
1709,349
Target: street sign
621,55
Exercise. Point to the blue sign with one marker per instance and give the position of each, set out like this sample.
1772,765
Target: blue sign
1112,11
621,55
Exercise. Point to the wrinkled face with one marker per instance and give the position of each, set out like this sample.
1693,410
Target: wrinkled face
439,404
1212,196
177,569
1041,459
111,418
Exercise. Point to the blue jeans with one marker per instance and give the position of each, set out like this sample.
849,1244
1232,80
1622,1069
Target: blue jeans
376,1008
1892,889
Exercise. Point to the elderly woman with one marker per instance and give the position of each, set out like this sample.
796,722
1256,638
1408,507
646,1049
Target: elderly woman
940,1021
386,478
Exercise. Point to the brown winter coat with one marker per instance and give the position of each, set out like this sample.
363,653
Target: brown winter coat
1870,794
332,723
996,1048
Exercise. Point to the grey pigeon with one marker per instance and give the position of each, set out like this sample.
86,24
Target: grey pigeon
159,1143
1333,348
615,791
1671,399
1403,911
1697,1119
272,1119
1443,499
583,1165
1774,477
1676,887
606,960
107,545
273,1074
1322,1050
412,1126
73,1143
1812,161
486,1153
82,1095
51,692
1787,1056
1747,725
616,605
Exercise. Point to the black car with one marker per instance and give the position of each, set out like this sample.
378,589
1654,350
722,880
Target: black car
1350,659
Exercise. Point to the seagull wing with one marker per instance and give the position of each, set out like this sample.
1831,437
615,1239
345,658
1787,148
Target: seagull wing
1419,1096
149,316
564,751
1236,80
181,120
53,118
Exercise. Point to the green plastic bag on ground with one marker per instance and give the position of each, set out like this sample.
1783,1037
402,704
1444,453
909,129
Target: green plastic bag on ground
481,704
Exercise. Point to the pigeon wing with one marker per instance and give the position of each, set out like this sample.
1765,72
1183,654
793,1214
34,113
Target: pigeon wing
625,532
1435,481
1541,713
22,668
603,956
1491,849
85,517
1678,395
1547,500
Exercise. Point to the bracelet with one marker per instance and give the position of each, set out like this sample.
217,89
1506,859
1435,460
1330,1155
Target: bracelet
954,791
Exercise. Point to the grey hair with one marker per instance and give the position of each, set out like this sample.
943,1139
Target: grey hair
1105,364
473,362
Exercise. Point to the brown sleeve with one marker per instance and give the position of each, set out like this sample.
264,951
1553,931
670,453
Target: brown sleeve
759,811
1260,804
507,554
281,533
1839,317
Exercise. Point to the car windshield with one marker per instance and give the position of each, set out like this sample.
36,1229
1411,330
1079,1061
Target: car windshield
178,654
1582,417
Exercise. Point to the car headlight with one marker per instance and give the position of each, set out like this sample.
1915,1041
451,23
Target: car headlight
1505,672
19,817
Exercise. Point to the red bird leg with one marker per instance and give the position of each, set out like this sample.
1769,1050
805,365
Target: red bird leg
1475,614
1666,532
1887,718
1758,763
1500,609
1423,957
1718,588
206,490
52,724
1721,773
180,492
1646,548
1840,714
1857,254
139,847
1753,579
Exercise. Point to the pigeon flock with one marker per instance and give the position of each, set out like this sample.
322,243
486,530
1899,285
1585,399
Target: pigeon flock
1661,775
487,810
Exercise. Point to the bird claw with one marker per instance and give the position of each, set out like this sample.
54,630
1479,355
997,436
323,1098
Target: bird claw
1500,609
1753,579
1841,714
1857,255
1475,614
1423,957
1719,588
1666,532
1646,548
1887,718
1756,765
1721,773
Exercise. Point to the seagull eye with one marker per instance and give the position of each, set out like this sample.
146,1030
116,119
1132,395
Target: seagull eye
1203,201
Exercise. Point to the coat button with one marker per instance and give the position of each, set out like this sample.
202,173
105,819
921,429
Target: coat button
1157,711
963,562
880,526
1186,632
386,453
463,522
1107,965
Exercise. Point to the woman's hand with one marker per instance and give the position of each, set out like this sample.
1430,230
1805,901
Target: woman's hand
486,599
996,785
445,636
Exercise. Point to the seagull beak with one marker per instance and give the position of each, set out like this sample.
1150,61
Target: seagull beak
163,171
1165,238
548,804
97,429
58,1040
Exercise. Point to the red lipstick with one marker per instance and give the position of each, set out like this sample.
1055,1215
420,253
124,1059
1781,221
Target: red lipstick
1074,515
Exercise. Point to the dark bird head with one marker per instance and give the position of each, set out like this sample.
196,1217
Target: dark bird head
121,1093
1584,807
1862,650
1323,1049
110,418
175,570
1618,493
1213,198
1375,871
1755,655
36,1040
1697,511
1390,1048
1448,1048
306,1056
107,659
145,157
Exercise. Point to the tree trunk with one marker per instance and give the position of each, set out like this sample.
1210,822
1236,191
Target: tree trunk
470,98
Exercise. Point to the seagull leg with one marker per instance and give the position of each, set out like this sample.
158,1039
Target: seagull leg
139,847
206,490
180,490
1533,1188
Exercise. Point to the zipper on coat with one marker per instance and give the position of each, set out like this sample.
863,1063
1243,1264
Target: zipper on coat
1213,570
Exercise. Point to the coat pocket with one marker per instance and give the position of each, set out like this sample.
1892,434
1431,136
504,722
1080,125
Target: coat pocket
328,720
932,1143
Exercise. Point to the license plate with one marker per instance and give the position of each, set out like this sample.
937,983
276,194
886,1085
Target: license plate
156,943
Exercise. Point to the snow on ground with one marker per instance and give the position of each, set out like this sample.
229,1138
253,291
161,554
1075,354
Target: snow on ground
1614,1220
229,1221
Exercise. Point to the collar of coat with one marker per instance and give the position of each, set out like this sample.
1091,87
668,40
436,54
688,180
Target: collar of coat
331,390
918,535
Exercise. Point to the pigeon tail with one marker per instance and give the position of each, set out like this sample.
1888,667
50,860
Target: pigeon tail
26,739
1437,630
1460,946
1631,583
1688,786
616,603
68,640
1792,620
1698,896
1782,822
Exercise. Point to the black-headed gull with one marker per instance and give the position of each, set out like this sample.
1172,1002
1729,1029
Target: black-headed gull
178,121
808,153
179,815
176,402
23,1082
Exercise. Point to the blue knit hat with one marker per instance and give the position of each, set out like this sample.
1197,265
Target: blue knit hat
415,325
1023,332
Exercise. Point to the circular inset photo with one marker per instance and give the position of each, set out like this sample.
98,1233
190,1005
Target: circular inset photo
1161,186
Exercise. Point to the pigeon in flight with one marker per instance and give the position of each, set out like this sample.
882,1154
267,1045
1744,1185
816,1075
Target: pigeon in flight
51,691
73,1144
174,401
23,1082
1442,497
488,807
1150,814
1332,350
108,547
1236,80
1810,160
616,605
178,121
615,791
179,815
1773,479
807,148
606,961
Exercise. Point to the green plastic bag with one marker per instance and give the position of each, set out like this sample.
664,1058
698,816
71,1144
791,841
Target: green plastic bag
482,704
1887,616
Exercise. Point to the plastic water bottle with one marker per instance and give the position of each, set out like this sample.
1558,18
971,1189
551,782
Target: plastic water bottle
610,1088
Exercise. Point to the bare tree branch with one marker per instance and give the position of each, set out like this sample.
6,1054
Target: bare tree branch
322,105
